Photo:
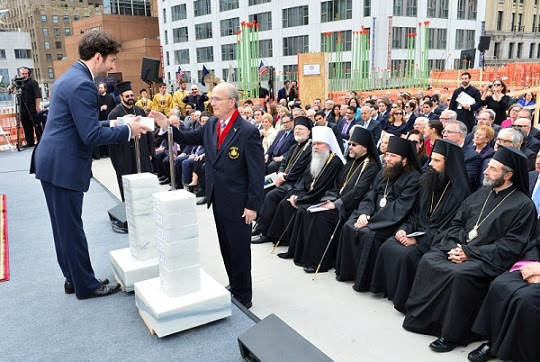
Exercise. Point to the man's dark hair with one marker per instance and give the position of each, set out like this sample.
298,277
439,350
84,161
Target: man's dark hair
467,74
161,85
143,90
206,114
369,102
352,109
320,113
429,103
97,42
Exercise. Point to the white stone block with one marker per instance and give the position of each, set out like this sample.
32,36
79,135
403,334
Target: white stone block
176,234
143,253
180,281
141,221
166,315
141,183
129,270
139,205
182,260
176,219
142,236
174,201
178,247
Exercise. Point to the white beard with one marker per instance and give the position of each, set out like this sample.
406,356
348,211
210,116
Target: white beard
318,160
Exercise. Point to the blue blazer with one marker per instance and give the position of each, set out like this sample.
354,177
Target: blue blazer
533,177
63,156
274,150
235,172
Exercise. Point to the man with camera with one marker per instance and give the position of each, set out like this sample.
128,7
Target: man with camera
28,105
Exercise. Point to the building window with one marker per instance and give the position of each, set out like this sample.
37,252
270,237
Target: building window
538,51
400,37
257,2
178,12
229,26
55,19
58,44
466,9
48,57
290,71
345,70
47,45
464,39
56,31
295,16
228,52
263,19
180,35
225,5
511,50
203,31
367,8
76,17
437,9
336,10
533,29
67,31
499,20
519,50
22,54
265,48
2,54
205,54
405,7
520,19
181,56
436,64
45,31
51,72
59,56
66,19
166,37
168,59
43,18
496,50
164,15
531,51
437,39
201,7
346,36
225,73
295,44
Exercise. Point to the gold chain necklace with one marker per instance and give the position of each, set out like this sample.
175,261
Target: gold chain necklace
350,175
431,209
474,231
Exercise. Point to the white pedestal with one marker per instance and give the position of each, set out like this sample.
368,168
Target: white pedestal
167,315
129,270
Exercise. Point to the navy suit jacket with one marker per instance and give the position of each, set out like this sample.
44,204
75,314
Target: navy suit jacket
274,150
374,127
63,156
473,165
339,127
235,172
533,177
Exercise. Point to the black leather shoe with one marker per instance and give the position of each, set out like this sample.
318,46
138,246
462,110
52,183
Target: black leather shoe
285,255
202,201
70,289
442,345
161,178
104,290
165,181
260,239
256,230
481,354
310,270
247,304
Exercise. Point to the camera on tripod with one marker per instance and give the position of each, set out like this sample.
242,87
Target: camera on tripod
18,82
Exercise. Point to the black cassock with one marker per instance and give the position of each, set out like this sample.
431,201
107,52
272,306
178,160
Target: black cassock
358,248
309,190
395,266
123,155
510,315
312,231
445,296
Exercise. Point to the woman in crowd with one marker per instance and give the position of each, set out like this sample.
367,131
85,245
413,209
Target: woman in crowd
527,100
418,139
282,111
396,125
337,112
513,111
268,133
432,132
495,98
409,114
354,103
482,137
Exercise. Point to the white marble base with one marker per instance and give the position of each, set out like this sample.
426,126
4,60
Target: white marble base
166,315
180,281
129,270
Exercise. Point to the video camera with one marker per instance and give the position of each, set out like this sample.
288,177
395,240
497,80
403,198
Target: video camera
18,82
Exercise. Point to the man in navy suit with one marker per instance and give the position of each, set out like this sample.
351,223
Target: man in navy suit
534,181
369,123
282,143
63,158
345,124
234,181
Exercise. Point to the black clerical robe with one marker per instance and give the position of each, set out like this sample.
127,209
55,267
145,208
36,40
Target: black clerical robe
308,191
395,266
312,231
123,156
358,248
464,115
446,296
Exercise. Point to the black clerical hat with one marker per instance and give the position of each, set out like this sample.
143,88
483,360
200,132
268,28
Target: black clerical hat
363,137
517,161
304,121
124,86
454,163
404,148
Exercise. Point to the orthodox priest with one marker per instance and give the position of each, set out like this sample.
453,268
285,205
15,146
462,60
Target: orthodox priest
485,238
123,156
443,188
382,210
292,167
313,230
326,162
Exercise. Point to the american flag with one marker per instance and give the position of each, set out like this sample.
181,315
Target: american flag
262,69
179,75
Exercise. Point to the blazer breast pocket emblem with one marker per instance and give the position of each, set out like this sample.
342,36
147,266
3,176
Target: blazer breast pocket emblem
234,153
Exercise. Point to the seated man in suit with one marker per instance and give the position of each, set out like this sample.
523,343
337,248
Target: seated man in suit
532,143
283,141
371,124
456,132
427,110
345,123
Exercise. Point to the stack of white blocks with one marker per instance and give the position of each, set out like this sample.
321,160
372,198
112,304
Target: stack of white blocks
183,296
139,261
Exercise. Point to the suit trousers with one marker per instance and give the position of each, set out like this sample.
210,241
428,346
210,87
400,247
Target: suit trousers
65,210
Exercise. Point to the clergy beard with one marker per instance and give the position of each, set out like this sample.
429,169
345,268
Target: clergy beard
300,139
129,102
498,182
432,180
318,160
392,172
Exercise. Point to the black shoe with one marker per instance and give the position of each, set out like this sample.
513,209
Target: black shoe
202,201
165,181
260,239
310,270
481,354
70,289
161,178
442,345
256,230
104,290
228,287
199,193
285,255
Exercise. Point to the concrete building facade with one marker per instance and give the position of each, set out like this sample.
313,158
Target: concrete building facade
14,53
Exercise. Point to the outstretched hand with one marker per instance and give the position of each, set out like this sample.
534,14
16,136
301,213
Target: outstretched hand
161,120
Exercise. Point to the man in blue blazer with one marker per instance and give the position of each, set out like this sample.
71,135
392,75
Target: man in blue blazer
534,180
282,143
234,181
63,158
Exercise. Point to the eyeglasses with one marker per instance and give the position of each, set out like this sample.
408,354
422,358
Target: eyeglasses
502,140
217,99
497,84
479,134
449,132
444,118
353,144
398,114
520,125
129,96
